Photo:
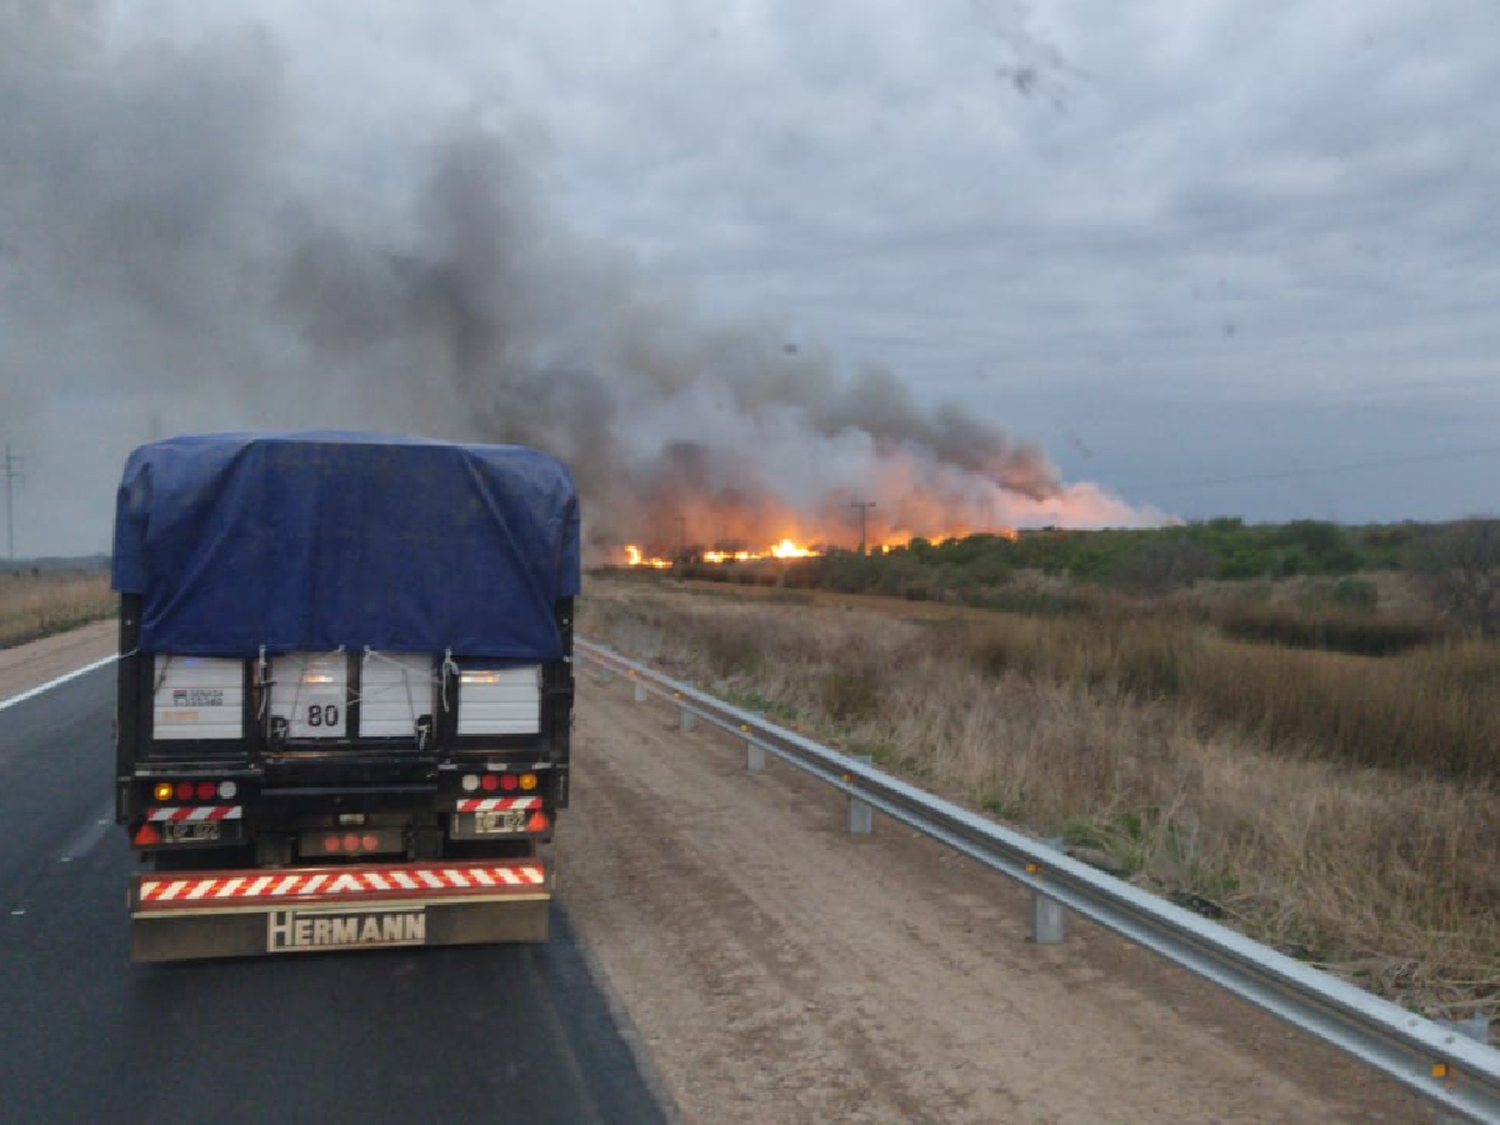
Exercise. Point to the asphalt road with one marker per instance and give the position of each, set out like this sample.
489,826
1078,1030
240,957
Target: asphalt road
471,1035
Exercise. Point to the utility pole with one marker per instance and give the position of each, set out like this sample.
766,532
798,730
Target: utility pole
864,507
682,538
12,467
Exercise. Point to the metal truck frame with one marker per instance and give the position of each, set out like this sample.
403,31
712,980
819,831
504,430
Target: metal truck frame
269,843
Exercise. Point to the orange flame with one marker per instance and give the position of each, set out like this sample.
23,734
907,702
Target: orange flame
634,557
786,549
789,548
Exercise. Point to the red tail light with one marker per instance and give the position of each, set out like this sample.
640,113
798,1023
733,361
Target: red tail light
330,843
490,782
508,782
184,790
351,843
370,843
207,790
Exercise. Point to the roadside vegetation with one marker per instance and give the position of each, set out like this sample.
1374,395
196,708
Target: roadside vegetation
1365,590
1341,807
38,604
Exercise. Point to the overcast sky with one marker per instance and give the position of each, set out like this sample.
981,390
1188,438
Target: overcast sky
1220,257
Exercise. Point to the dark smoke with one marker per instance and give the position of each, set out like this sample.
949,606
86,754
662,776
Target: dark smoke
173,255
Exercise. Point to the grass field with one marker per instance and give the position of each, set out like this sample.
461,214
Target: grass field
34,606
1341,808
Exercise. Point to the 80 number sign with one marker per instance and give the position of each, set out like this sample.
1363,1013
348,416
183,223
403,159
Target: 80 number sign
323,715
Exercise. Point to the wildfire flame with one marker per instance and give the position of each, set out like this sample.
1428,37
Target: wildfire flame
790,549
786,549
633,557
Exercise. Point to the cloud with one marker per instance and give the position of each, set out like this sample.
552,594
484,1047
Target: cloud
194,236
1146,214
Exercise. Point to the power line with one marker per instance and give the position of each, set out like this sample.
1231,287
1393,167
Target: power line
12,467
864,507
1315,470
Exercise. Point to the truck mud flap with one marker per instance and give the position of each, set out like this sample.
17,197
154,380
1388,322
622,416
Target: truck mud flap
180,916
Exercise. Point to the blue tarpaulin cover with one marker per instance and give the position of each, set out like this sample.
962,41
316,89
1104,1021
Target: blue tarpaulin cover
309,541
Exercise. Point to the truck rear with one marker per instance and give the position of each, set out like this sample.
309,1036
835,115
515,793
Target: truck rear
345,690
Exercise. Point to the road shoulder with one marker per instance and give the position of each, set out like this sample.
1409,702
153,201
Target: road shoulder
780,970
35,663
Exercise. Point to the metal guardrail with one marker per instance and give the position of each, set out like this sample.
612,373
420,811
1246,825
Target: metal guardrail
1439,1063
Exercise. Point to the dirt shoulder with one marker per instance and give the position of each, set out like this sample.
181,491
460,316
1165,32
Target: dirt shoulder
34,663
778,969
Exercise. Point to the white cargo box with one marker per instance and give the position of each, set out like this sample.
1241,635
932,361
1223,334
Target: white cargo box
311,692
198,697
500,700
395,689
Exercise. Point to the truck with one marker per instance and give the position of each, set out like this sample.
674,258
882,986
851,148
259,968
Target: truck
345,690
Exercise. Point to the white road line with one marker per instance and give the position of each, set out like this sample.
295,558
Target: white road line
50,684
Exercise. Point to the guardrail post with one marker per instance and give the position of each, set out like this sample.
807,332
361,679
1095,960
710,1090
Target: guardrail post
861,815
686,720
606,673
755,753
640,692
1477,1028
1047,914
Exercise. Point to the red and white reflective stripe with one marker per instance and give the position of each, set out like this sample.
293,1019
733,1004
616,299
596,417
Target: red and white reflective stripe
355,881
498,804
195,812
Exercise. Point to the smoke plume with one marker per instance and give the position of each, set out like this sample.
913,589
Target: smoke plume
174,256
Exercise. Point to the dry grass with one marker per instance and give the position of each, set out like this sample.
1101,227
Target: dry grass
1389,876
40,605
1432,711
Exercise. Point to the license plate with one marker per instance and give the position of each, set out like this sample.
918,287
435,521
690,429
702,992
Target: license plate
191,832
493,823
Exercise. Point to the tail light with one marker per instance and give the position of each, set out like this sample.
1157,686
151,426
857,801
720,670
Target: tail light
380,841
206,790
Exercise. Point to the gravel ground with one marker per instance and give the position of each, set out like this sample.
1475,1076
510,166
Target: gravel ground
778,970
